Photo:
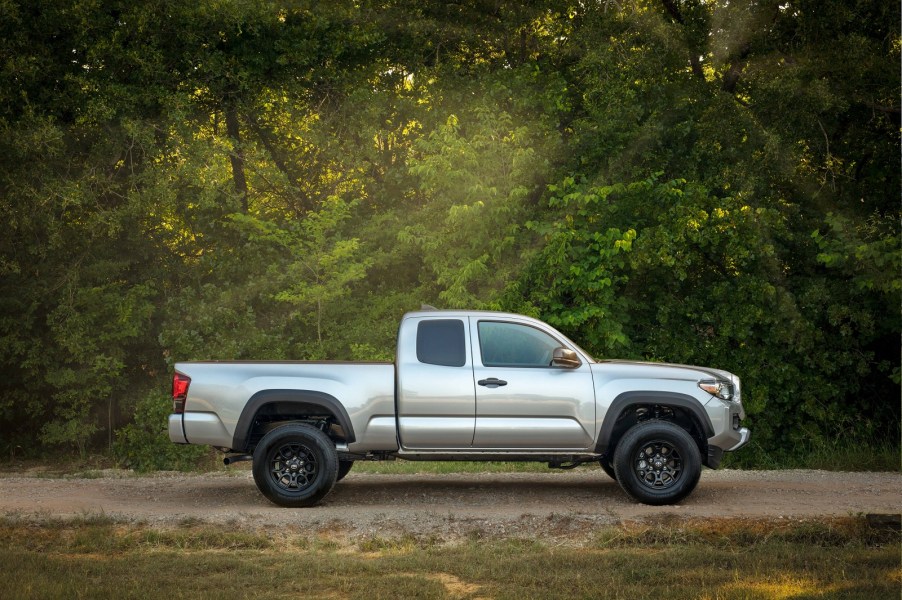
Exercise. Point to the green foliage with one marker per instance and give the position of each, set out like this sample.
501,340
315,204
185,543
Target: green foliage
320,267
477,176
869,252
711,183
143,445
581,268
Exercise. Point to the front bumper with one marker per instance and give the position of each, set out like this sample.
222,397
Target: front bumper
736,440
744,436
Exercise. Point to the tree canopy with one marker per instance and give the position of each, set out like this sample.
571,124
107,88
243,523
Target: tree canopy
706,182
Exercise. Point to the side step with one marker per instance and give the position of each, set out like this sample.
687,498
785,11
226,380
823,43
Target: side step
573,463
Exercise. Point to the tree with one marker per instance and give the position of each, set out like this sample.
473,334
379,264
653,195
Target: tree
712,182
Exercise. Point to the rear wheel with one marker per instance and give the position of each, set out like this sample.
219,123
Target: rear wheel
657,462
344,467
295,465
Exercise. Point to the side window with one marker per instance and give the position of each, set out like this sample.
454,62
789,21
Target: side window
513,345
441,342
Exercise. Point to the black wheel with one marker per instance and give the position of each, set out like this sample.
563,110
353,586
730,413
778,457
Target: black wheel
344,467
657,462
295,465
608,467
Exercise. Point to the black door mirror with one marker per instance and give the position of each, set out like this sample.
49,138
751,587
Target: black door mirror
564,357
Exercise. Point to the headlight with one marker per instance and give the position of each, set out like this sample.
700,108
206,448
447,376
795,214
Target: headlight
721,389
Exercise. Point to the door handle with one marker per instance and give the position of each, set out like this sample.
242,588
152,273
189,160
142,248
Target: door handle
492,382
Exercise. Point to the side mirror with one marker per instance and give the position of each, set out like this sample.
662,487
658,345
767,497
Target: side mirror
564,357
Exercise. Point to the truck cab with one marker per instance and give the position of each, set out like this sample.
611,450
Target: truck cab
491,382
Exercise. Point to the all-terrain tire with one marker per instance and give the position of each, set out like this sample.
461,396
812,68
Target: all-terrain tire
295,465
657,462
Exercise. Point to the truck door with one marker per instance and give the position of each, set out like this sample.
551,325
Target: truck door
436,399
522,401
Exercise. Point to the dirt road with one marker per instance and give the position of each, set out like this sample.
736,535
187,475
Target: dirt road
554,504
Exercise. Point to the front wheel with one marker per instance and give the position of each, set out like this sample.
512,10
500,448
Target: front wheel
295,465
657,462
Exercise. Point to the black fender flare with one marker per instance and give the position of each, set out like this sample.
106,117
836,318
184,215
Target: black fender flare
309,397
627,399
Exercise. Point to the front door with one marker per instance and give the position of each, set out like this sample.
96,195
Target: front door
522,401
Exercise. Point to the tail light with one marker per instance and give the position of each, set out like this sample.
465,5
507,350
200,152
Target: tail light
180,385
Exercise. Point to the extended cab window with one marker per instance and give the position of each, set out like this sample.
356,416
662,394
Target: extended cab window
513,345
441,342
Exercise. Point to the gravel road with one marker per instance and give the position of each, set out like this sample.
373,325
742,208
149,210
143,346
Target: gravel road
555,504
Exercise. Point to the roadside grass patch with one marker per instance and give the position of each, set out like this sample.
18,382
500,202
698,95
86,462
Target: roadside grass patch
840,454
381,546
713,558
733,533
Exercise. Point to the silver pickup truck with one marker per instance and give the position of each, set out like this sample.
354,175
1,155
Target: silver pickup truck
466,385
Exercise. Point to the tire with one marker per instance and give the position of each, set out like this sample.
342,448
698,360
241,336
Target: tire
295,465
657,462
344,467
608,467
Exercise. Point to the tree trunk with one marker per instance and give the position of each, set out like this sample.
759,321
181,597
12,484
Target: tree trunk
233,130
694,62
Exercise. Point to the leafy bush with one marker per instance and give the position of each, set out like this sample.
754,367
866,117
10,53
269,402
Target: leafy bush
144,444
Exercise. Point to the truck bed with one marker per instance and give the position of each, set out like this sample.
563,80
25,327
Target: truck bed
220,392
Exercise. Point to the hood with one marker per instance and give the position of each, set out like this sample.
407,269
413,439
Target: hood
702,371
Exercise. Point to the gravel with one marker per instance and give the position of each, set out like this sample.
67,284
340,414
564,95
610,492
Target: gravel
556,505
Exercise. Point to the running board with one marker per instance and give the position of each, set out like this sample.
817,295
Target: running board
557,458
557,464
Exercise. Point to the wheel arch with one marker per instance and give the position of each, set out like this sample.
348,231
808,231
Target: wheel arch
617,418
292,404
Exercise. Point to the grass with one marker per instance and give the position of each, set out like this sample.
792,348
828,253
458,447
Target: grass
841,455
100,558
